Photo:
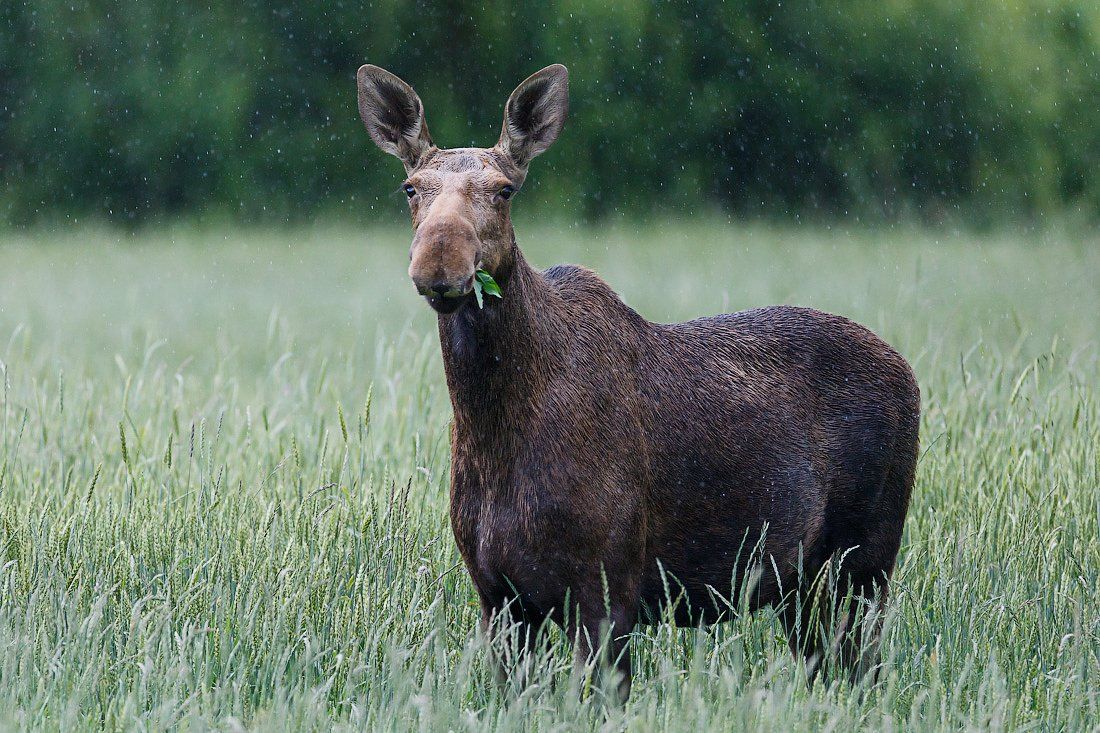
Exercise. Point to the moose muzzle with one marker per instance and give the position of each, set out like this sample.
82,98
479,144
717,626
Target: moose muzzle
443,261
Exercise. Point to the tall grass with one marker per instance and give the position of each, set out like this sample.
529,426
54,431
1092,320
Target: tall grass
223,472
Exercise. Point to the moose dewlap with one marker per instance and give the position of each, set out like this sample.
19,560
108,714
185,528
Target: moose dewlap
606,470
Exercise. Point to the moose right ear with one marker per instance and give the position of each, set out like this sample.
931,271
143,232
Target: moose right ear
393,115
535,114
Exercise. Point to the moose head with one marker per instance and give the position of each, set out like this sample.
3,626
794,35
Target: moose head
460,199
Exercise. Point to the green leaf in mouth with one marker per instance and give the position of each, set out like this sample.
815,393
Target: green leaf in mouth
484,283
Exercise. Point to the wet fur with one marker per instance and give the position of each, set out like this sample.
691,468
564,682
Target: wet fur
590,444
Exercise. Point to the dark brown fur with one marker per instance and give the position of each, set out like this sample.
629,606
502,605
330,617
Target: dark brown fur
603,462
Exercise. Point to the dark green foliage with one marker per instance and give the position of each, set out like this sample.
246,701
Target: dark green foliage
138,108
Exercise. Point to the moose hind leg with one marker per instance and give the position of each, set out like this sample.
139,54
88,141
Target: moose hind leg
834,622
858,624
850,593
863,574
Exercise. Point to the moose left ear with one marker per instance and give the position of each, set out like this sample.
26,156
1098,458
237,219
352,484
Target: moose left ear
535,114
393,115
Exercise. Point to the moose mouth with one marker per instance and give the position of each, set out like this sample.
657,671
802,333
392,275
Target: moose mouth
452,299
447,304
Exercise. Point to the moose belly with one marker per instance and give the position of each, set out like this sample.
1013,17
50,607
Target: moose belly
723,538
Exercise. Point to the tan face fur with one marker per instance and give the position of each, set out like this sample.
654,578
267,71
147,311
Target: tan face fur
460,199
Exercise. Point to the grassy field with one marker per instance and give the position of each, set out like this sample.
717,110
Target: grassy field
223,472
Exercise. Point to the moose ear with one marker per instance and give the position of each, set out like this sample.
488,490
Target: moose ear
393,114
535,114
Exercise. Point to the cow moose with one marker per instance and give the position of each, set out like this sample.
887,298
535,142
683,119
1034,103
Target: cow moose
608,471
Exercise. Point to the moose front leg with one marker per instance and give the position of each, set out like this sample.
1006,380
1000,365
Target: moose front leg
604,592
511,634
601,634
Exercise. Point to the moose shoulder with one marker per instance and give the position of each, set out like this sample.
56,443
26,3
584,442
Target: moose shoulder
607,470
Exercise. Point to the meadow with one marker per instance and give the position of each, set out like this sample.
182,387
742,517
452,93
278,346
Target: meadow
224,470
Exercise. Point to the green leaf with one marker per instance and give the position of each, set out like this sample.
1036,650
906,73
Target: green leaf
484,283
478,295
489,284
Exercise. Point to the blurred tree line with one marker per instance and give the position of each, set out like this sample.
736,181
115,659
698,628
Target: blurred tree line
139,109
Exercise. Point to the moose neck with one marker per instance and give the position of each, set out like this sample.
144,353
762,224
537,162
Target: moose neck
499,359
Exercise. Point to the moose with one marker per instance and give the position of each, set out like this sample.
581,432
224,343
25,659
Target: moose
608,471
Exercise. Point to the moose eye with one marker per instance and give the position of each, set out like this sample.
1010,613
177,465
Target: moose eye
506,192
409,190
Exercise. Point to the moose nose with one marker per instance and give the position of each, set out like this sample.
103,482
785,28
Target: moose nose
442,288
438,289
